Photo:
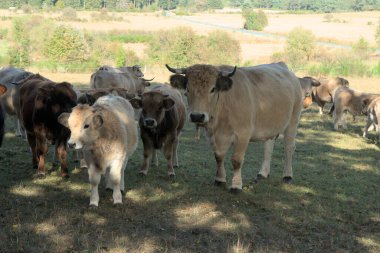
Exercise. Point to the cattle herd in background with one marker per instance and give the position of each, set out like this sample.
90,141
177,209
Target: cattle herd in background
235,106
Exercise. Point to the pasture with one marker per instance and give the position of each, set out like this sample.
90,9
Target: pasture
331,207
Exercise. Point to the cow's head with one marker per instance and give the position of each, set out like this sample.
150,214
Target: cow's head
85,124
307,85
154,105
365,105
202,84
142,83
342,82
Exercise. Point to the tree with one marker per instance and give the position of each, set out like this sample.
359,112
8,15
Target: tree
255,20
215,4
300,46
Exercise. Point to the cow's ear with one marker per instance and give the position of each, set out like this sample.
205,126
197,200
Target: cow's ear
168,103
344,82
63,119
137,71
178,81
97,120
223,83
44,91
136,102
3,89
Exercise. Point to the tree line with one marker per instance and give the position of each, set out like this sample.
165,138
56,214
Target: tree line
199,5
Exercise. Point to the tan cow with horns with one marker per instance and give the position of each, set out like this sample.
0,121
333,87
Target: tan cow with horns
240,105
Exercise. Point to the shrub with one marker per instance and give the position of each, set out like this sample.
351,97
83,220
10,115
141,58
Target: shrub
66,45
215,4
361,48
26,8
221,48
69,13
120,57
254,20
19,52
377,34
131,37
328,17
300,46
3,33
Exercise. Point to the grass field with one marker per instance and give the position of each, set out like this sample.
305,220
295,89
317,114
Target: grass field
331,207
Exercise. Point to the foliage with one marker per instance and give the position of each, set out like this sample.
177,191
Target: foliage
254,20
19,52
361,48
221,48
215,4
69,13
130,37
3,33
300,46
120,57
377,33
66,45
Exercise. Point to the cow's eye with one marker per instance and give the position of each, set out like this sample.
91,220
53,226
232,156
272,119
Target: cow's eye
212,90
86,126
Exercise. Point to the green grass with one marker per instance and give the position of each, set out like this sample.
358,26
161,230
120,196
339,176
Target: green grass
131,38
333,205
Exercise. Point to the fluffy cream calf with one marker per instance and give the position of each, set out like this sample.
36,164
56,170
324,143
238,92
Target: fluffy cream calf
107,134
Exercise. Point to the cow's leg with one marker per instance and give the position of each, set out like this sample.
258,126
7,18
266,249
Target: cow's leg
220,144
367,126
265,166
320,107
115,176
154,158
148,152
289,148
175,153
32,144
41,149
337,117
240,147
94,178
61,151
168,152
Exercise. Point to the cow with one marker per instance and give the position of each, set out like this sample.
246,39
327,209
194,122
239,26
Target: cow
89,96
372,110
161,121
12,78
41,102
3,90
107,134
348,100
240,105
130,78
324,93
307,85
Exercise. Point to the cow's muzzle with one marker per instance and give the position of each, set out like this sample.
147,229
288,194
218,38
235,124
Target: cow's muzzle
198,117
150,123
71,144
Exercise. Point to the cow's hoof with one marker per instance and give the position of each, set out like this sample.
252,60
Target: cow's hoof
220,184
65,176
287,180
142,174
235,190
41,175
260,177
118,205
93,207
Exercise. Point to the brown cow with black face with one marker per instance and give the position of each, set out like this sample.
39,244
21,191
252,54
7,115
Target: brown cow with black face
41,102
161,121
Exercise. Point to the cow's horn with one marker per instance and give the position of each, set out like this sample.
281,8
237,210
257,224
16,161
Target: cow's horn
175,71
226,74
148,80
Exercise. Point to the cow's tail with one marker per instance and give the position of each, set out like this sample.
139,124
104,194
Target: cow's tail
331,109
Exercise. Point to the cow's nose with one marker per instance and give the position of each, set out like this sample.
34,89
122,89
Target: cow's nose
197,117
149,122
71,144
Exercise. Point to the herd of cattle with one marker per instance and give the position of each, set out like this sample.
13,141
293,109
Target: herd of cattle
234,105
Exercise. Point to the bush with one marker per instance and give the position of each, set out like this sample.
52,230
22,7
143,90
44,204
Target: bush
131,37
221,48
215,4
300,46
19,52
254,20
66,46
361,48
3,33
69,13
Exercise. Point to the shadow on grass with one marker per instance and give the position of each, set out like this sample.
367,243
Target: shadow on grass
331,207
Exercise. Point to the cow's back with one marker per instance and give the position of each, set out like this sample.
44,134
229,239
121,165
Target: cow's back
262,100
28,93
123,110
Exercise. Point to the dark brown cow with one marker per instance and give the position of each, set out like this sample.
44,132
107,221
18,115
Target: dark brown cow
161,121
41,102
3,89
324,93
